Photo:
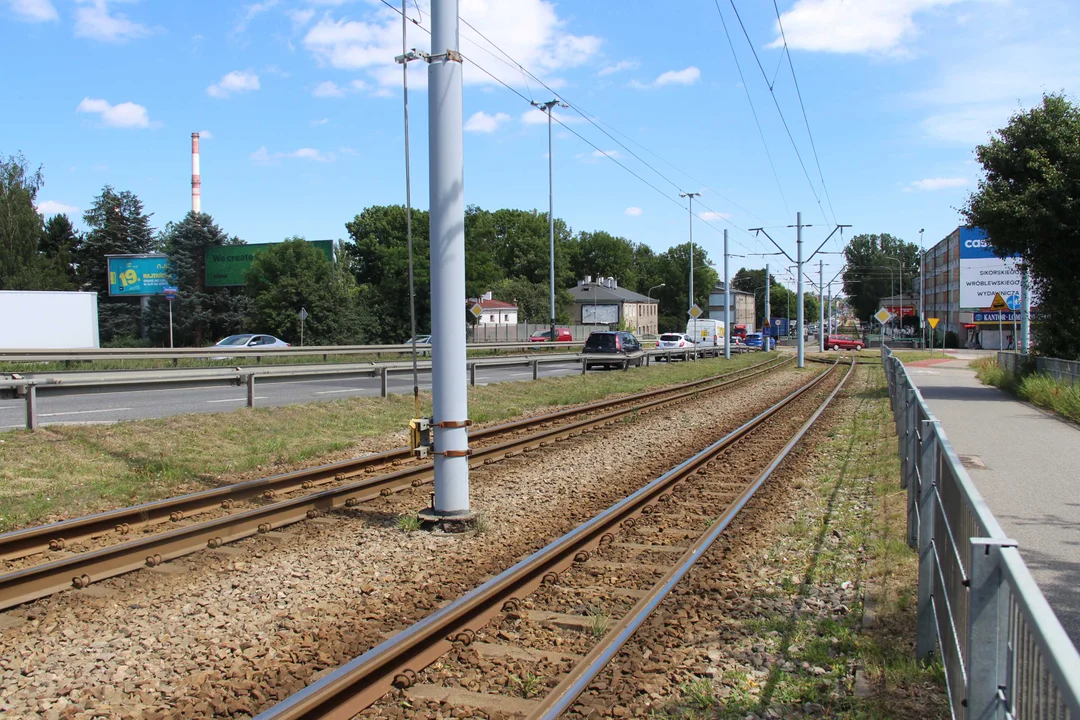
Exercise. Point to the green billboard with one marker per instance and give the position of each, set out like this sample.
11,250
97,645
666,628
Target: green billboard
135,275
226,264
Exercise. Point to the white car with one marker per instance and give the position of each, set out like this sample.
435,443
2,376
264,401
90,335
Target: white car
247,340
674,341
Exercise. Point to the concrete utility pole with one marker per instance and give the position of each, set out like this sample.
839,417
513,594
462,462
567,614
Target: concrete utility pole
768,310
727,303
922,271
447,202
828,317
1025,311
799,292
547,107
691,196
821,305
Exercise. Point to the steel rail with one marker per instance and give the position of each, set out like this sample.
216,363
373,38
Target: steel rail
61,534
396,661
578,679
81,570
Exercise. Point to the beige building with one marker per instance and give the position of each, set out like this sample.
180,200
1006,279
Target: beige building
604,303
743,306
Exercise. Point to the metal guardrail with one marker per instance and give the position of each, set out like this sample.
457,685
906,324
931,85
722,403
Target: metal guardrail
81,383
1005,653
1067,371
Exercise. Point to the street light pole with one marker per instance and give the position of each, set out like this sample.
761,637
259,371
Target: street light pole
922,299
691,197
547,107
727,303
768,309
799,293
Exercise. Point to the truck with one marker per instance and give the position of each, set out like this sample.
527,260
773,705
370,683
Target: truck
60,320
741,330
778,327
706,331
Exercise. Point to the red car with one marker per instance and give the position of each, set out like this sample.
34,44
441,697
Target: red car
842,342
561,335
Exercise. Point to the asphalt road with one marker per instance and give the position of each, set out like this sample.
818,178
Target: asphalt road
135,405
1023,462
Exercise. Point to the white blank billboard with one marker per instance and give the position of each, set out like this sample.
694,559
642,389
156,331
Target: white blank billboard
599,314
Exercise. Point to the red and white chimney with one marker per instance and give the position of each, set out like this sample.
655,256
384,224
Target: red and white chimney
196,184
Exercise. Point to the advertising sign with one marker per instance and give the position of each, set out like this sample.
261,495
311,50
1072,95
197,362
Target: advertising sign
134,275
599,314
983,275
226,264
908,310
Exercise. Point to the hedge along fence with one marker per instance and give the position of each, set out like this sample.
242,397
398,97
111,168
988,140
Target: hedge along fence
1067,371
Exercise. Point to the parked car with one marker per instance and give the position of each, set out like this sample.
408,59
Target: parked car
754,340
561,335
674,341
843,342
423,344
615,348
250,340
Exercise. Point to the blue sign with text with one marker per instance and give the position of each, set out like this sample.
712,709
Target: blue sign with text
135,275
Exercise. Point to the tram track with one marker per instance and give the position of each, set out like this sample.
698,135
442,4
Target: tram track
325,488
399,661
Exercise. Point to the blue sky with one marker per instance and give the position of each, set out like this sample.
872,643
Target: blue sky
299,103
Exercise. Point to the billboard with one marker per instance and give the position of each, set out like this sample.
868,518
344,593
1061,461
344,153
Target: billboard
135,275
226,264
983,274
599,314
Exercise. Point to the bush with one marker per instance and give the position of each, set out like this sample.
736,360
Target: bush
1039,389
952,340
127,341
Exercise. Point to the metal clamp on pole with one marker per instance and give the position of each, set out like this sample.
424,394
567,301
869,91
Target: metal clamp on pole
420,436
455,424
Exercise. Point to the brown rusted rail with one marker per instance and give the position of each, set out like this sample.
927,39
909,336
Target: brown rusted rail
397,661
65,533
81,570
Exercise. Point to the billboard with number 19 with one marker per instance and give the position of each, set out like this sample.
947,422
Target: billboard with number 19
135,275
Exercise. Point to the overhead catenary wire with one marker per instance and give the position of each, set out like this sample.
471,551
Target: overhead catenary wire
776,102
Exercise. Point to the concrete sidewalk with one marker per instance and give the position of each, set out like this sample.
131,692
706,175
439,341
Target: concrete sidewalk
1025,463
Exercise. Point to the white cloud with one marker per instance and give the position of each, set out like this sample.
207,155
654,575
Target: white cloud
52,207
263,157
321,121
251,12
124,115
481,122
852,26
92,20
633,211
687,76
710,215
34,10
606,153
206,135
529,30
939,183
237,81
536,116
300,18
619,67
327,89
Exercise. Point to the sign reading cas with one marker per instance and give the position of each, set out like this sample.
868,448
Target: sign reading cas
135,275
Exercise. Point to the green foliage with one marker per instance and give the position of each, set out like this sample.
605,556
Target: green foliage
534,300
1040,389
20,224
872,271
118,226
293,275
1027,203
59,242
201,315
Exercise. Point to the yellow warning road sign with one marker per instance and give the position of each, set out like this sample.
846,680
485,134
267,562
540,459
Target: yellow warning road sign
933,322
999,303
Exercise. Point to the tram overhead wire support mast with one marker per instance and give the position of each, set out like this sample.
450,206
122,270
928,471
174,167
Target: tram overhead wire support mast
548,107
446,181
691,197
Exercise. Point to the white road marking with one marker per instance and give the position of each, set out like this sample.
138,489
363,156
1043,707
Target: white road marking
257,397
345,390
81,412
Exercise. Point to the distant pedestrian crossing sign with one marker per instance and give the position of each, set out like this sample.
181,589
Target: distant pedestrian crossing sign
882,316
933,322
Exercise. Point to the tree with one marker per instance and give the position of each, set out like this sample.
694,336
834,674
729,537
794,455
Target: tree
672,269
872,271
753,281
118,226
602,254
200,314
20,223
1027,204
60,242
295,275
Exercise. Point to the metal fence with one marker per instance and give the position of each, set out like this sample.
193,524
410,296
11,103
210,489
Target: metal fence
1005,653
1061,370
520,332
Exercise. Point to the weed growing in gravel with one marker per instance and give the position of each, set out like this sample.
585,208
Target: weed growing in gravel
600,621
410,522
482,523
698,694
528,685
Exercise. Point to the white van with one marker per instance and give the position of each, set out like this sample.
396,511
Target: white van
706,331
